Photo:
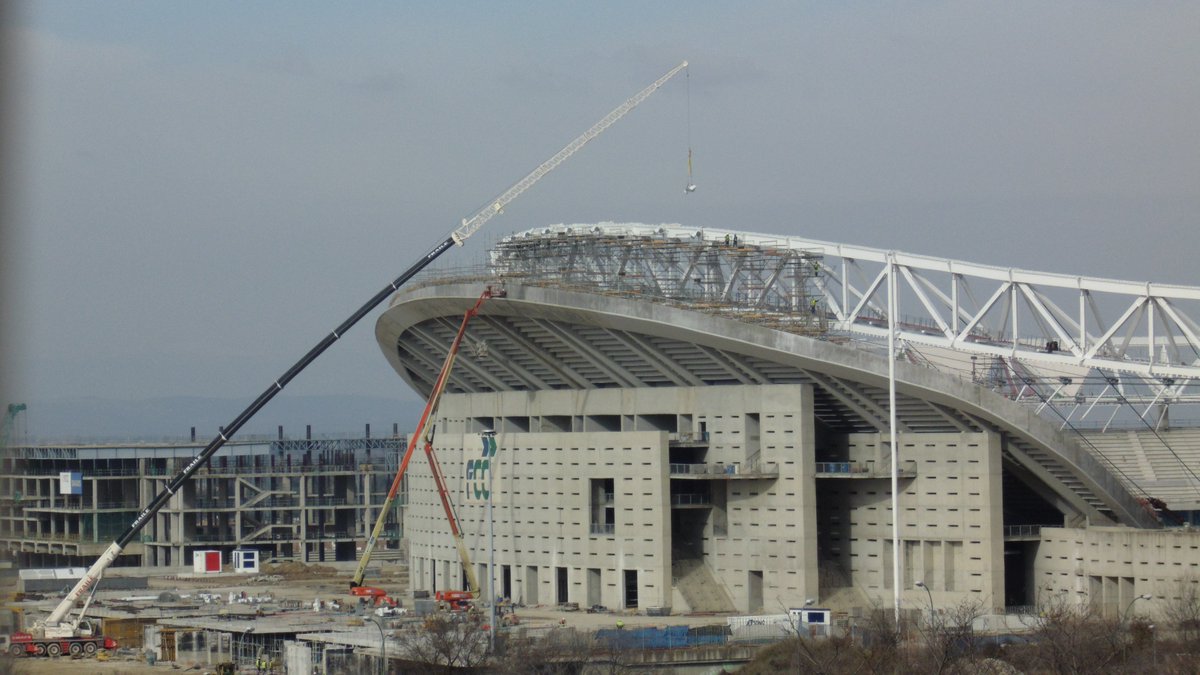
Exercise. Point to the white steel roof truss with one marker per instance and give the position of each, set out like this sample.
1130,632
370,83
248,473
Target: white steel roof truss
1135,310
950,302
1171,348
865,298
1039,305
673,257
1186,326
933,311
963,335
831,302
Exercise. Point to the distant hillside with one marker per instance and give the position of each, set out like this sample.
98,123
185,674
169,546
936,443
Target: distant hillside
94,419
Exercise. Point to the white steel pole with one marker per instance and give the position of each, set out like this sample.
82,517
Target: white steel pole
897,546
492,553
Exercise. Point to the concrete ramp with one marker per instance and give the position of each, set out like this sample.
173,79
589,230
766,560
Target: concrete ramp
699,587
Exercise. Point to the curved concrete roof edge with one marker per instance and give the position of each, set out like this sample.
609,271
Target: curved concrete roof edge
412,305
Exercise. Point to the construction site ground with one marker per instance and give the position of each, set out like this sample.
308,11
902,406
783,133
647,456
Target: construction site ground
290,584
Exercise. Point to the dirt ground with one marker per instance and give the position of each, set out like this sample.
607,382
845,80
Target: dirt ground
301,583
48,666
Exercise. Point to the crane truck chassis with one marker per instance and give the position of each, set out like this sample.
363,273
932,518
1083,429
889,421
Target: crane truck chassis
58,622
86,643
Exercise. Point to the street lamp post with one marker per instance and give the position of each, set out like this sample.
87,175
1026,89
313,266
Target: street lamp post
808,602
382,644
1125,614
921,584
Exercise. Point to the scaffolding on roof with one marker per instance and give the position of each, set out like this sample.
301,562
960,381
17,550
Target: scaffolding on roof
750,282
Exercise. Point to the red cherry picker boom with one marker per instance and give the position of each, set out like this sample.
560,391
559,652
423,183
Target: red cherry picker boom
424,435
58,623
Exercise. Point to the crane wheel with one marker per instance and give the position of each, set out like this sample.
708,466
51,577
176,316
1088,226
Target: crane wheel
40,649
75,648
89,648
54,649
16,650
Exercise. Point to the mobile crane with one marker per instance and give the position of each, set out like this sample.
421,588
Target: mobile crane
80,637
424,434
58,622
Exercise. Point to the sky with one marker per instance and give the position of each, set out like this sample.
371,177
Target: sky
197,193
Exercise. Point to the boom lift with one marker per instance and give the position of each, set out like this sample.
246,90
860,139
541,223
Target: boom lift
57,620
452,598
424,433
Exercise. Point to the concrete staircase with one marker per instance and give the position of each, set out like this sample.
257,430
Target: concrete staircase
699,588
389,554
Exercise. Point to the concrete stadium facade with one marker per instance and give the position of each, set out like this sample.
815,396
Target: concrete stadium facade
665,455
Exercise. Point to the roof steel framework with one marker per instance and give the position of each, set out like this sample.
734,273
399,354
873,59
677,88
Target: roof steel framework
1034,336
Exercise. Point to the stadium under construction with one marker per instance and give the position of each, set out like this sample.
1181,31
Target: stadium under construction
701,420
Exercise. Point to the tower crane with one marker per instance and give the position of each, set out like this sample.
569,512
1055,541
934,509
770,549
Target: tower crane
424,435
10,418
469,226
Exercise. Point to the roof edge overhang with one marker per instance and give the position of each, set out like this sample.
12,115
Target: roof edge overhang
451,299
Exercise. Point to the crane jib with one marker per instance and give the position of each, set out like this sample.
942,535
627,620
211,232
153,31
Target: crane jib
232,428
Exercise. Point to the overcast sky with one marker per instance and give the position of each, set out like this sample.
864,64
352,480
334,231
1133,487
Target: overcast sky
198,192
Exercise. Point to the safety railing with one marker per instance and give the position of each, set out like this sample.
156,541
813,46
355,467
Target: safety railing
908,469
1014,531
690,499
755,469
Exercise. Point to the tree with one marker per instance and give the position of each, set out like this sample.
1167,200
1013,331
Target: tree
1071,639
445,642
1182,609
561,651
874,646
949,636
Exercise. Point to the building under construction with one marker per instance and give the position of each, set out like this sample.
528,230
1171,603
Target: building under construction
701,420
305,500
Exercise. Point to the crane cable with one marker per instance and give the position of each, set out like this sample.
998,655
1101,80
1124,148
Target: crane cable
687,76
